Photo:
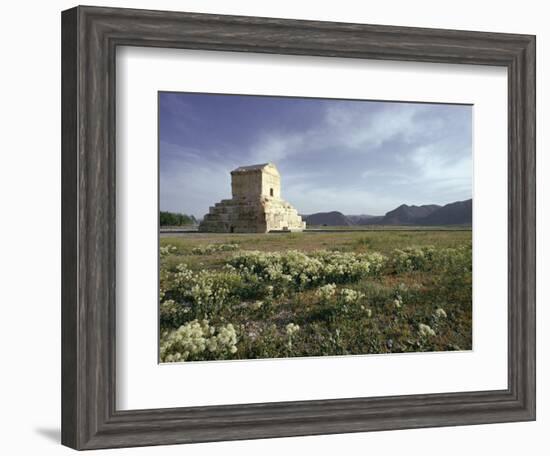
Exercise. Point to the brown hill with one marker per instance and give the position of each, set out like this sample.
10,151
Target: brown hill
333,218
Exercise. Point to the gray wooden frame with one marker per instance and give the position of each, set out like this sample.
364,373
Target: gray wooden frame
90,36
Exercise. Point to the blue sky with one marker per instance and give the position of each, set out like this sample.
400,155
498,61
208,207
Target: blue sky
357,157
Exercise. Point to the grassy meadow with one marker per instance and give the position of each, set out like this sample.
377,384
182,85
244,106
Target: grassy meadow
245,296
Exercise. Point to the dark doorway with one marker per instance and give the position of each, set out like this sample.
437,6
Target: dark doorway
270,192
231,229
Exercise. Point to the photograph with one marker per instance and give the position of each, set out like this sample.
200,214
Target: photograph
307,227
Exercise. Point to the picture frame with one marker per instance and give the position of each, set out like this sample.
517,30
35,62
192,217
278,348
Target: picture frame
90,36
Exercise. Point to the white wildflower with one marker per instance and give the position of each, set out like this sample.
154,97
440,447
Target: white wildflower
398,301
291,328
425,330
192,339
210,249
326,291
350,296
167,249
257,305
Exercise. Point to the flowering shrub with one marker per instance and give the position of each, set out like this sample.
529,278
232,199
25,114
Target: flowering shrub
398,301
349,296
300,271
281,269
291,328
326,292
214,248
173,314
256,305
167,250
344,267
198,340
204,292
431,259
412,259
425,330
345,302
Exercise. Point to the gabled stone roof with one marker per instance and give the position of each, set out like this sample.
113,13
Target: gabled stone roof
259,167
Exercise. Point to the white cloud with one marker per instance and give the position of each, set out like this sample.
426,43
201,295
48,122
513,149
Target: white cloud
359,127
350,126
393,154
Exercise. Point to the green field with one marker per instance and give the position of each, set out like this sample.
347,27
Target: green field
243,296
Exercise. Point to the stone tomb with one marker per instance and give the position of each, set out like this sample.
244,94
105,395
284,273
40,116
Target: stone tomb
256,205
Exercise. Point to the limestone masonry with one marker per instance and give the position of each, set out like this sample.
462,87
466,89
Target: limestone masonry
256,205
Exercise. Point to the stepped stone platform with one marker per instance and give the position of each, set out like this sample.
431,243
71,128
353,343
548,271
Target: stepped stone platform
256,205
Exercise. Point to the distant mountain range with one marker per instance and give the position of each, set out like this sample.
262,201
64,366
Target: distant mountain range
457,213
333,218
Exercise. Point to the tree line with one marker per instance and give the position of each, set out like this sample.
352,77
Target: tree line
176,219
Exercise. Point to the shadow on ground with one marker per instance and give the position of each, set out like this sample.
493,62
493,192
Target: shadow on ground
52,434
